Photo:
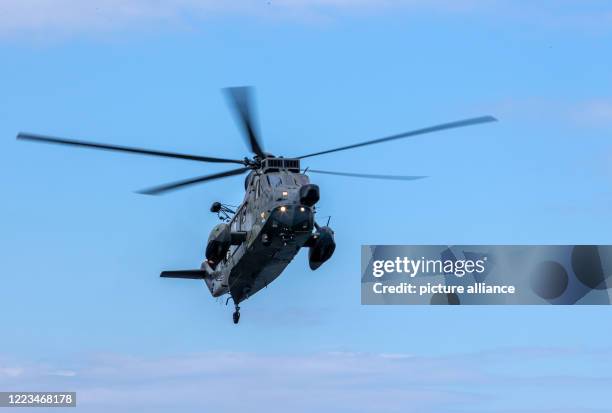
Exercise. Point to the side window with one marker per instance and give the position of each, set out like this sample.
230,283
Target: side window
257,190
239,218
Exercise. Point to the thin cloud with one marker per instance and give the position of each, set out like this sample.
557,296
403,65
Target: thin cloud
257,382
10,372
108,15
596,112
339,381
77,17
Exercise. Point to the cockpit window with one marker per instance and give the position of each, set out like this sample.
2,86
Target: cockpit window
301,179
274,180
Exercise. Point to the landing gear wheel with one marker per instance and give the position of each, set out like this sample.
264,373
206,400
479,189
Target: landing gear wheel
236,315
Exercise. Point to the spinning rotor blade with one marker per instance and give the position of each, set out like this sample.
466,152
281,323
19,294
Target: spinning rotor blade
241,101
370,176
180,184
450,125
61,141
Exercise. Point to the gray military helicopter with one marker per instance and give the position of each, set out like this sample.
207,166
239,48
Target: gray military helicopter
256,240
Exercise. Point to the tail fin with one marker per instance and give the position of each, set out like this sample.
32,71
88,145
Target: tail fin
189,274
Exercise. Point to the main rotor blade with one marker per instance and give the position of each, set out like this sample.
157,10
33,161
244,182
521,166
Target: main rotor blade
241,101
156,190
450,125
370,176
61,141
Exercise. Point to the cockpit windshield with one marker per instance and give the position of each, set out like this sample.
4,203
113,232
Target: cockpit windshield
287,179
301,179
274,180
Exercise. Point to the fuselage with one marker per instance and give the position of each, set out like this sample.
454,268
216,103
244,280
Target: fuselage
276,223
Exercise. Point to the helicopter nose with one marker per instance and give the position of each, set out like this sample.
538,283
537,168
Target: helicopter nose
294,217
309,194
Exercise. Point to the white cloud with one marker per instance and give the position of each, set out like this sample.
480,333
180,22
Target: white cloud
63,373
10,371
596,112
256,382
90,15
78,15
338,382
45,17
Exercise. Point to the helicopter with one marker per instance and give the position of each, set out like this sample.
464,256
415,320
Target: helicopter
256,240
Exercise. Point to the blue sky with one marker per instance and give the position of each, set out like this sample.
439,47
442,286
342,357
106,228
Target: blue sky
82,306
